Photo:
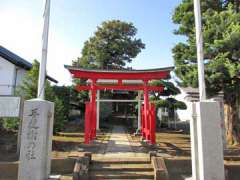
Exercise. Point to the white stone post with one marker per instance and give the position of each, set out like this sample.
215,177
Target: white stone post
139,110
20,127
98,109
36,140
210,145
194,143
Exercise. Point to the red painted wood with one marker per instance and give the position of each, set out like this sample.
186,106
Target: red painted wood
93,104
120,87
152,124
87,124
146,108
147,112
77,73
148,126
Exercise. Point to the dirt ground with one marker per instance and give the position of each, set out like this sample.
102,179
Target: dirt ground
171,142
8,146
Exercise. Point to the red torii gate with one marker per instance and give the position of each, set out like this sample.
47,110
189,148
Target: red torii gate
147,111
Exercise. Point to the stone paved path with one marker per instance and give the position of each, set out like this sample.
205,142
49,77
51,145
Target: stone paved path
119,146
118,142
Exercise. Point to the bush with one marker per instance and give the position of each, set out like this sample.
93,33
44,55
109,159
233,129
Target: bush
10,124
59,116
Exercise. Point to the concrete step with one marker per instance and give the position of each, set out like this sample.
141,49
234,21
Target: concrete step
121,167
118,174
66,177
121,160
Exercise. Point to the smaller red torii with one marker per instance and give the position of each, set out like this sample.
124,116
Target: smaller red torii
147,111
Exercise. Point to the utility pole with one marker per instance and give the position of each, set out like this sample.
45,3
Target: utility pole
43,63
207,147
200,56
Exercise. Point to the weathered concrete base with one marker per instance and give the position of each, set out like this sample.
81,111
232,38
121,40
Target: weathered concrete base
209,140
36,140
160,170
81,167
9,170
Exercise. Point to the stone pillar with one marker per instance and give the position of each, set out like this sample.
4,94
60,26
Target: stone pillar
98,108
194,144
210,145
139,110
36,140
20,128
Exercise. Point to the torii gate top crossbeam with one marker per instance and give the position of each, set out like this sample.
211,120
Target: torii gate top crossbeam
148,74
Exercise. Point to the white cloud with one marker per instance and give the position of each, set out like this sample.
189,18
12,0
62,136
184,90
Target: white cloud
20,33
60,52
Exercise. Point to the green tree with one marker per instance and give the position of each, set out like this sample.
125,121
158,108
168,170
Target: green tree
170,90
64,94
113,45
28,90
221,34
165,99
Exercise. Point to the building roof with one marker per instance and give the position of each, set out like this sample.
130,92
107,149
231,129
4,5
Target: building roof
18,61
190,90
15,59
193,94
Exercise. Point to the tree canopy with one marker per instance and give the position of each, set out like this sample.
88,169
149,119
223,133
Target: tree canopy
221,35
28,90
113,45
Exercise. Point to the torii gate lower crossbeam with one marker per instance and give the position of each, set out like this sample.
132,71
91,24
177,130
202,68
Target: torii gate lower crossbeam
148,110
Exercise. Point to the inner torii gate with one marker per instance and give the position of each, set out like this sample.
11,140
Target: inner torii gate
147,110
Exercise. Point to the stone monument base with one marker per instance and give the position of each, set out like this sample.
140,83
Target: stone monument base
36,140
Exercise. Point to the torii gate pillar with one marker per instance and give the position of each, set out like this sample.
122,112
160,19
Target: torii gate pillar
98,110
93,104
146,107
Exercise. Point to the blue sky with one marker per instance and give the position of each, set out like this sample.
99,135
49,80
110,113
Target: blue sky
73,22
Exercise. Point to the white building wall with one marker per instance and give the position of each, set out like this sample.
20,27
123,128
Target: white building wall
7,77
184,115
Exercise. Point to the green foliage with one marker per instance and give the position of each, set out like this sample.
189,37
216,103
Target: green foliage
180,105
64,94
170,103
29,86
221,32
169,90
112,46
28,90
60,117
162,103
221,35
10,124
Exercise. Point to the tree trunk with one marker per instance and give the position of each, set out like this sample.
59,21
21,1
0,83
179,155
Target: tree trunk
231,120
